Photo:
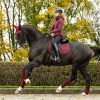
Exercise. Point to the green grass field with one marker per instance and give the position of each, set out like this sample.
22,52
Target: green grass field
48,86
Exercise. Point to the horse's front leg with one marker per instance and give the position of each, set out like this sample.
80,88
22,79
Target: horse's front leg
25,75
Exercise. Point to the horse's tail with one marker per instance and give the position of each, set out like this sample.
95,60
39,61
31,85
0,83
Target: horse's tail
96,51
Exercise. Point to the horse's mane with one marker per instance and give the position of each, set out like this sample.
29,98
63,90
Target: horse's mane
33,28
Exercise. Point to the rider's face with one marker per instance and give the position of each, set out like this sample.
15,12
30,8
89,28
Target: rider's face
56,14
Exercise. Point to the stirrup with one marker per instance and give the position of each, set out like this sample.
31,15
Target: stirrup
58,59
52,58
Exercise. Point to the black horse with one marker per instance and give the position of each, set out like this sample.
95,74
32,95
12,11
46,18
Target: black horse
79,56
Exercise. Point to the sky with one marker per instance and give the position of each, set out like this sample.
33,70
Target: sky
97,6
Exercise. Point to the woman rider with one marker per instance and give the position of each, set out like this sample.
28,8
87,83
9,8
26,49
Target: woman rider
57,31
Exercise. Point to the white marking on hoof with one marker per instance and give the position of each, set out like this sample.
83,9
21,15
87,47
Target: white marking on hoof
91,90
59,89
19,90
27,81
83,93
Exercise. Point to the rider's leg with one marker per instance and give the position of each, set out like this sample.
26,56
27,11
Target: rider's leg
55,43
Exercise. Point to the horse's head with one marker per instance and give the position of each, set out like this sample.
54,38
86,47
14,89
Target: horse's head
27,33
20,34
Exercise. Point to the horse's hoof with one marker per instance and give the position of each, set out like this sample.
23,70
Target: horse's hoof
27,81
59,89
83,93
19,90
91,90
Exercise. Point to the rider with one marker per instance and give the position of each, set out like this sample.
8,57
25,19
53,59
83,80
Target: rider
57,31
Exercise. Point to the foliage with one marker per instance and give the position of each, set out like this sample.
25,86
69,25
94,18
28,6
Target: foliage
3,25
20,55
81,29
10,74
6,51
3,44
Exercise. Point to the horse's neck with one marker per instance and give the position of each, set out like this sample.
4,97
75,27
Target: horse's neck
36,42
36,33
31,44
33,35
32,39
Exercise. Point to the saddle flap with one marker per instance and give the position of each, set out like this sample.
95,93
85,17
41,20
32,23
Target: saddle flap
64,48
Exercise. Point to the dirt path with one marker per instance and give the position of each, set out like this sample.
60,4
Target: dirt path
49,97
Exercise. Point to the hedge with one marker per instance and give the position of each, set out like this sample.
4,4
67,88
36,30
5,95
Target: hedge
10,74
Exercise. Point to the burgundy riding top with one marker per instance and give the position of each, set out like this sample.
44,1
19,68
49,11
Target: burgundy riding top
57,26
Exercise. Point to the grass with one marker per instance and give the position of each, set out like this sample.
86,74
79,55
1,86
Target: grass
47,86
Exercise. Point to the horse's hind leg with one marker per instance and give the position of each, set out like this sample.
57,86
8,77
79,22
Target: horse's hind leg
73,77
84,73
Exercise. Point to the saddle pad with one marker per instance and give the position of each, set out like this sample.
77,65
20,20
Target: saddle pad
64,48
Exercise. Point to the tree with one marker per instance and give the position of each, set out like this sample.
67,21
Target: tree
3,44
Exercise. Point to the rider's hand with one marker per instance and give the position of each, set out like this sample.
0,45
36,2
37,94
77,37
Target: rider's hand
52,34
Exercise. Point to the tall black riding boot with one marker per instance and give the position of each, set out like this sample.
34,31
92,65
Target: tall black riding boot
57,52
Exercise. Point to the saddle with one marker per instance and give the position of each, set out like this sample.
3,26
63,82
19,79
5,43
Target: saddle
64,47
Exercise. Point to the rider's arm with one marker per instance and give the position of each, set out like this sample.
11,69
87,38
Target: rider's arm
60,26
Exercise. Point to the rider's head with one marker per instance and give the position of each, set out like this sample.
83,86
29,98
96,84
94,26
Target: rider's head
58,11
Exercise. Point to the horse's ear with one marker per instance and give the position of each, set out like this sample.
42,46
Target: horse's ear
14,26
20,27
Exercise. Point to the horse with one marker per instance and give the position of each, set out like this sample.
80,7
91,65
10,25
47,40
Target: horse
78,56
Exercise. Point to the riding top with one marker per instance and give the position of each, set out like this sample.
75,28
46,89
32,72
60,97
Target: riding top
57,27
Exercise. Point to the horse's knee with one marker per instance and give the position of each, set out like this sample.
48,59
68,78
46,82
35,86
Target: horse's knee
88,79
73,78
28,66
27,70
